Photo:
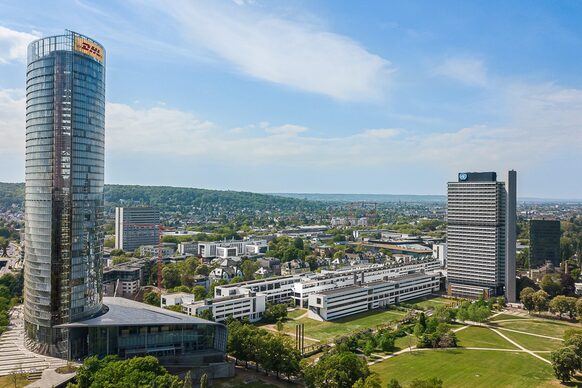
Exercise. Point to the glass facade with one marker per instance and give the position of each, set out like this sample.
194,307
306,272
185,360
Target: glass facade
65,113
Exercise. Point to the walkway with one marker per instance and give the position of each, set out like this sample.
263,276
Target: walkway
495,329
519,346
14,357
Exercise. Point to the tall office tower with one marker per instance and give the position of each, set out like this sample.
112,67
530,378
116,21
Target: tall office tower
544,242
511,232
65,112
136,226
476,235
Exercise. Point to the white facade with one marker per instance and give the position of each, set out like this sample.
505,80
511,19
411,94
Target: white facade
342,302
439,252
248,304
282,289
357,275
210,249
176,299
188,248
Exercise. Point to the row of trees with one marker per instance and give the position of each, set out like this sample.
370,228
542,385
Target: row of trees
540,301
10,294
273,352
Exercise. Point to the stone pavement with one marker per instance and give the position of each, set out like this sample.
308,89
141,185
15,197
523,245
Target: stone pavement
14,357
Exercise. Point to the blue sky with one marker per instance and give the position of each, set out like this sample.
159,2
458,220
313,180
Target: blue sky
320,96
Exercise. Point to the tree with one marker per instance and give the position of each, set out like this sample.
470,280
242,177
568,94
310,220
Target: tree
393,383
134,372
540,300
575,342
203,269
429,383
565,362
563,305
526,297
368,348
336,369
206,314
372,381
275,312
579,308
204,381
386,342
199,292
170,276
551,287
152,298
501,301
248,268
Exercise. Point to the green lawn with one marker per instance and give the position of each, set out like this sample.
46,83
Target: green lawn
467,368
296,313
502,317
533,343
430,302
330,329
404,342
8,381
482,337
545,327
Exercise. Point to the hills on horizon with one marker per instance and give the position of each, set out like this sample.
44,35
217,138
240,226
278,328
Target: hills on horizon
176,197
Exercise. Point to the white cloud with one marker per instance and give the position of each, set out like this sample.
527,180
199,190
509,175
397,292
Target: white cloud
298,54
543,120
469,71
12,125
286,130
13,44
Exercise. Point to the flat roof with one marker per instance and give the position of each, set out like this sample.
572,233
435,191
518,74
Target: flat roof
125,312
341,290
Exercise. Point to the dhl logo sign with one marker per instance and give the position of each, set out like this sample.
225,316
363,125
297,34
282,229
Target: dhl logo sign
85,46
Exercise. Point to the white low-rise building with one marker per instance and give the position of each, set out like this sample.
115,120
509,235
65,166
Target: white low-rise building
176,299
341,302
248,304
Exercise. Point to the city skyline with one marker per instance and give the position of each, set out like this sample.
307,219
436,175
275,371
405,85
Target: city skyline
189,104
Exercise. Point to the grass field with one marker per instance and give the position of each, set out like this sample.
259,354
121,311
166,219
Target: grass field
8,381
546,327
404,342
429,303
482,337
296,313
330,329
467,368
533,343
502,317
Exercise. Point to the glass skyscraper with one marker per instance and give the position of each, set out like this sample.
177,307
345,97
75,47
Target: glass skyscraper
65,112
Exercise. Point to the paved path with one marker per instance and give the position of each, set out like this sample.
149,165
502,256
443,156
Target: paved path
14,357
519,346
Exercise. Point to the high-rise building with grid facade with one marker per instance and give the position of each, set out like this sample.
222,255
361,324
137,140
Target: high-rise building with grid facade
65,131
136,226
478,242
